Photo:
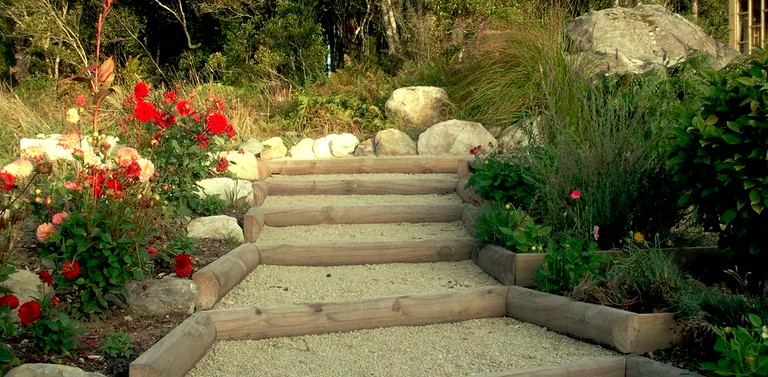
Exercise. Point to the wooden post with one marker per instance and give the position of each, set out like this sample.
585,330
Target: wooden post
462,169
363,186
497,262
624,331
179,351
219,277
264,169
466,193
260,192
347,253
351,165
322,318
612,366
253,222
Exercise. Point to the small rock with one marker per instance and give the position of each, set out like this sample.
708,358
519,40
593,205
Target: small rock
251,145
220,227
303,150
49,370
273,148
162,297
322,146
343,145
243,165
365,149
233,191
393,142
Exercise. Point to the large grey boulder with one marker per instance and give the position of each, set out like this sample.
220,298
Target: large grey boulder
343,145
159,297
393,142
454,137
25,285
643,38
418,106
251,145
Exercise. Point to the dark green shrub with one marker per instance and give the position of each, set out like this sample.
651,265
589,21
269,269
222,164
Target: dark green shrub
720,157
509,227
505,178
569,263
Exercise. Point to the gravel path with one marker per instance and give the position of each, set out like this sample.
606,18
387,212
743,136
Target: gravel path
476,346
340,177
346,200
459,349
276,285
363,232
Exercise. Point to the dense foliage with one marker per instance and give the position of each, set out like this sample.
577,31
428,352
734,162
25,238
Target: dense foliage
720,157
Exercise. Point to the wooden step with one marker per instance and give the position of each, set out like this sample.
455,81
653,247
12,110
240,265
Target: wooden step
352,165
364,184
351,253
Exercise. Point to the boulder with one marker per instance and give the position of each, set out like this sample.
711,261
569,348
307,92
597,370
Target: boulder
220,227
519,134
24,284
233,191
343,145
642,38
454,137
365,149
393,142
49,370
242,164
273,148
418,106
322,147
159,297
303,150
251,145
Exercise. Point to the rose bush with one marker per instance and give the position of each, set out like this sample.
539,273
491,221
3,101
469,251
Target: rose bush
183,141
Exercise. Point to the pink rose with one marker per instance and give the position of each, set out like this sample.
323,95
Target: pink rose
147,169
73,185
575,195
20,168
59,218
126,156
45,230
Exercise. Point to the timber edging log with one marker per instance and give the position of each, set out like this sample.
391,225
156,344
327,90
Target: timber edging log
624,331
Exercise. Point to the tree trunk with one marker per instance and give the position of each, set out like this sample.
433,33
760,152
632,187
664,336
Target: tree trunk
695,9
390,27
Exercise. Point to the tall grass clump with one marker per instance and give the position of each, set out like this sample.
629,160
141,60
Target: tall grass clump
501,82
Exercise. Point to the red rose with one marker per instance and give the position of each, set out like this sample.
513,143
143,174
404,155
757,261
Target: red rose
29,312
71,270
6,181
45,276
216,123
183,267
80,100
184,108
575,195
55,301
223,164
169,97
141,90
144,111
151,250
10,300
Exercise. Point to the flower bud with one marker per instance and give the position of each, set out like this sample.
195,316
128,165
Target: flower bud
44,167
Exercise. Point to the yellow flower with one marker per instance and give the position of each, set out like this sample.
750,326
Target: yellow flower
73,116
638,237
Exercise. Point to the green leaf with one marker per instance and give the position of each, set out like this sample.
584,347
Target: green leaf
733,126
731,138
755,197
746,81
755,320
728,216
